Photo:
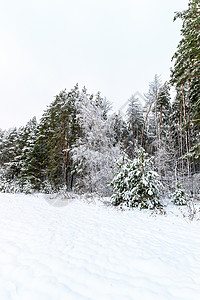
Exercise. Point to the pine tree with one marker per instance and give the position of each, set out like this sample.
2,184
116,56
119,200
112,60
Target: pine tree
135,123
10,166
187,56
119,130
186,72
50,162
27,142
150,131
163,111
163,143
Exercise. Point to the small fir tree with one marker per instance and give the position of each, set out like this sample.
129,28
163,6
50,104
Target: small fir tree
179,197
135,184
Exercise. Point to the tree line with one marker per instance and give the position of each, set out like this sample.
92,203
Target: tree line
78,140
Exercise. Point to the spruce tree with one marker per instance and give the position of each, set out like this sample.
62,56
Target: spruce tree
136,184
179,196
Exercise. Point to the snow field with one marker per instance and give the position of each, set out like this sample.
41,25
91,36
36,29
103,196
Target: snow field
88,251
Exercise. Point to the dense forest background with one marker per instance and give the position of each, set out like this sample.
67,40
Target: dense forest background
77,142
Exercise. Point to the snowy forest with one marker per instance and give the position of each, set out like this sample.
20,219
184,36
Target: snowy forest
81,145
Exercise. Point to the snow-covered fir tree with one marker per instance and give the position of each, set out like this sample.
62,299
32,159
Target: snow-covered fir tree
136,184
179,196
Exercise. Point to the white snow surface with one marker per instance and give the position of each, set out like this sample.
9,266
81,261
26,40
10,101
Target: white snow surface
72,249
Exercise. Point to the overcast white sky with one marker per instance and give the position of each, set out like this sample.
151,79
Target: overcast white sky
112,46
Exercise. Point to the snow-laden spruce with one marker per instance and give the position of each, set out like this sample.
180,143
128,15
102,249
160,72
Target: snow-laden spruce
136,184
179,196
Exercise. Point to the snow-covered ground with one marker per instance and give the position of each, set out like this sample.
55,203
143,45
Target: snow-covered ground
75,250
